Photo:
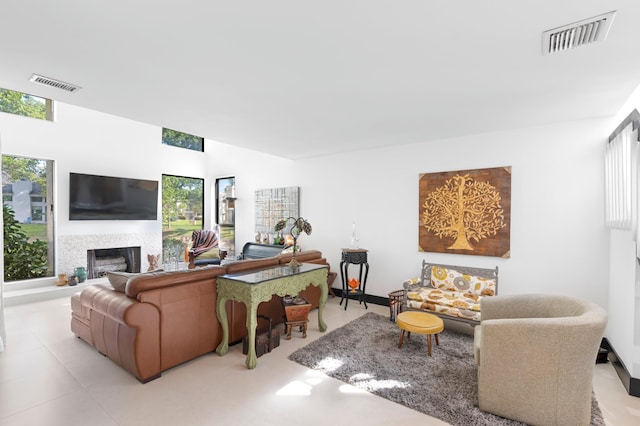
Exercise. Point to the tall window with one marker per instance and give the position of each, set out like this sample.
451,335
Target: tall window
24,104
182,213
226,213
621,175
182,140
27,197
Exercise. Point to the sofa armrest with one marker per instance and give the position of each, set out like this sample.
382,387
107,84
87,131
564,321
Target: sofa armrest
412,283
125,330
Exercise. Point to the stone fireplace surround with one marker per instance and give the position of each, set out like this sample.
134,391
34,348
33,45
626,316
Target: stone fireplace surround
72,249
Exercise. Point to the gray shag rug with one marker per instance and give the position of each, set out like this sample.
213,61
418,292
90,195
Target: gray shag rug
364,353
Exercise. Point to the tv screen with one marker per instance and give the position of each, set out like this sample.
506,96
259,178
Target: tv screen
94,197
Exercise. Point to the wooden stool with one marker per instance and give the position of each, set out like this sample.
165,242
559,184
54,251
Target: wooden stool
296,315
288,325
421,323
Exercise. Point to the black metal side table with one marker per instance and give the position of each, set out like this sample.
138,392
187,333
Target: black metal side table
356,257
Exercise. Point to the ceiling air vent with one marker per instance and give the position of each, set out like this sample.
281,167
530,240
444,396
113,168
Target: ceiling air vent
52,82
577,34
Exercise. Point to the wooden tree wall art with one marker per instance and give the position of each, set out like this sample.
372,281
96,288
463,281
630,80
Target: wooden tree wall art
466,212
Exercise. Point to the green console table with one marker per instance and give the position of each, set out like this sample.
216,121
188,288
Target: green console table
252,288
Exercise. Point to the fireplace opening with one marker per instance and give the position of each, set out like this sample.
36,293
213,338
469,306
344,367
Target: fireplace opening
119,259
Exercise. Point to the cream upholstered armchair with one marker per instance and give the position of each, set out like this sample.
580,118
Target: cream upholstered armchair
535,355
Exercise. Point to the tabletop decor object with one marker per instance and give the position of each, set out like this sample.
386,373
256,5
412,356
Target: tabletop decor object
62,280
81,273
354,239
299,226
353,284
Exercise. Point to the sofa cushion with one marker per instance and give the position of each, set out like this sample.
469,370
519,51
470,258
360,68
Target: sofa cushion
213,253
454,303
456,299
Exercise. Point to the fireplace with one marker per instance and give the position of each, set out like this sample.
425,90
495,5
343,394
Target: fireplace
120,259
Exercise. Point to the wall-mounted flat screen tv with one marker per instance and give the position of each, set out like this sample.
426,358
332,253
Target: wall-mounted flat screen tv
94,197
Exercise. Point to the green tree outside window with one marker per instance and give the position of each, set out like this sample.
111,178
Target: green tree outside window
23,259
182,210
182,140
23,104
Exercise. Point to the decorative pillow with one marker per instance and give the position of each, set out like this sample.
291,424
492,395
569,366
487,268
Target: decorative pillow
443,278
452,280
483,286
118,280
213,253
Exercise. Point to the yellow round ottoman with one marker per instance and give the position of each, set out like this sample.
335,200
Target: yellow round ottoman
421,323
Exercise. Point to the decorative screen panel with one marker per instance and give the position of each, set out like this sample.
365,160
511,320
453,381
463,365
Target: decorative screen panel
275,204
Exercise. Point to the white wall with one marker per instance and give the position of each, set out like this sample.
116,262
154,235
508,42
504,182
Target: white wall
558,240
252,170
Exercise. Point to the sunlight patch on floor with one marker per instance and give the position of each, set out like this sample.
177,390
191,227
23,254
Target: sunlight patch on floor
303,388
328,364
368,382
351,389
295,388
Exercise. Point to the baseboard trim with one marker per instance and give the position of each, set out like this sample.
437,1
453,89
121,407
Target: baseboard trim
631,384
376,300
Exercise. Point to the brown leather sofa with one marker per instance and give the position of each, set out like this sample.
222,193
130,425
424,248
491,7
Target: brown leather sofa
163,319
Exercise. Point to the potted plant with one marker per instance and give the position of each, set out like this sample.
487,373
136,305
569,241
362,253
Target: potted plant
298,226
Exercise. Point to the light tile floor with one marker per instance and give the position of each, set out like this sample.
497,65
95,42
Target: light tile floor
49,377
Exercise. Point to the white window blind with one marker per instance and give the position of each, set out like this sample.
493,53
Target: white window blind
621,176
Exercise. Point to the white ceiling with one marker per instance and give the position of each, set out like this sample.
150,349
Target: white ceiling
302,78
